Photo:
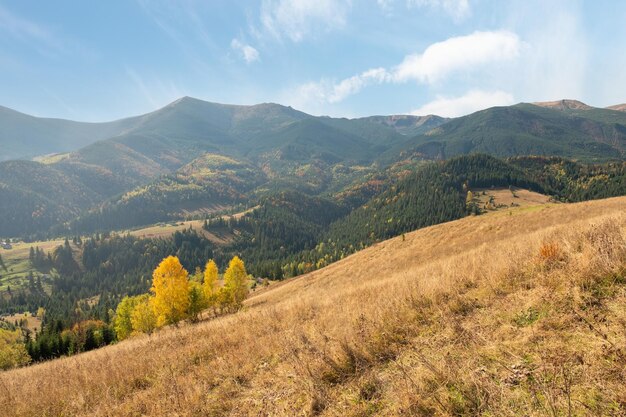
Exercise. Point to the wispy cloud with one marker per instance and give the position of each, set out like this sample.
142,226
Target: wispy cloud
457,9
439,61
247,52
470,102
37,36
298,19
183,24
155,92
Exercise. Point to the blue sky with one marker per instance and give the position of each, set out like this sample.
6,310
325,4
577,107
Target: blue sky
102,60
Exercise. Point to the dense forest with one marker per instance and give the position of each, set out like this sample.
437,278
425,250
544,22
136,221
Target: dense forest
284,237
287,234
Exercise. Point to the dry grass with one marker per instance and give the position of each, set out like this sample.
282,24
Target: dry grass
505,198
33,323
465,318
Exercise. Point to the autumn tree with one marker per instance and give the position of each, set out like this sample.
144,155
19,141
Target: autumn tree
171,291
210,286
142,317
13,352
235,283
197,301
123,317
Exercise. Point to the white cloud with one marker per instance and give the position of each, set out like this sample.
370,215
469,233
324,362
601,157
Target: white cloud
326,91
458,54
470,102
439,60
354,84
457,9
247,52
297,19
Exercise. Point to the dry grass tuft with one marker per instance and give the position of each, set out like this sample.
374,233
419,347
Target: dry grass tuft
497,315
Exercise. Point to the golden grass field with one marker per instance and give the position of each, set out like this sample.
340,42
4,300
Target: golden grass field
503,197
515,313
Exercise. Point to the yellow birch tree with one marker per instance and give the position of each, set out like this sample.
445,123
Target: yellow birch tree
236,283
171,291
210,285
142,318
122,323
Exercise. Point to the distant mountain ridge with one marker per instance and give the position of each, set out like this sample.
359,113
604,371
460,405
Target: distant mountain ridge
565,128
24,136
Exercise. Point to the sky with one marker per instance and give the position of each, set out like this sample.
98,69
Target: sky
104,60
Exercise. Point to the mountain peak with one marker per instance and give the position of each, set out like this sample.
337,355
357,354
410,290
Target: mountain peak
187,100
618,107
564,104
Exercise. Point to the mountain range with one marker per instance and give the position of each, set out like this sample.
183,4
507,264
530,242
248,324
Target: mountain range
204,156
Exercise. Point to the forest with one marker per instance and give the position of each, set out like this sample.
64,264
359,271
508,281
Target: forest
288,233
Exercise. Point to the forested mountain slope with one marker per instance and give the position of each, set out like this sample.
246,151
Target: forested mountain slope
279,149
281,238
589,134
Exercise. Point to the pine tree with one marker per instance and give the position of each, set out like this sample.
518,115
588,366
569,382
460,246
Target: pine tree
171,291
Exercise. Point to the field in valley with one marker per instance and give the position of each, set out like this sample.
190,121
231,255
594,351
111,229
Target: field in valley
503,198
518,312
18,264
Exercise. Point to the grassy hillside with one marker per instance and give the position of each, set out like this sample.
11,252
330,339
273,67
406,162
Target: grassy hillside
505,314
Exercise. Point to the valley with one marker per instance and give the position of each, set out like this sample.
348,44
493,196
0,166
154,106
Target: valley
302,200
301,208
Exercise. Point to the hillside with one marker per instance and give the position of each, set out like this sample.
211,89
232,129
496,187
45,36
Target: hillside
24,136
575,132
206,185
35,196
505,314
563,105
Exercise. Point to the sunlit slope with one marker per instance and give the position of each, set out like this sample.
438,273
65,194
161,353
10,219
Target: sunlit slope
518,312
